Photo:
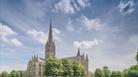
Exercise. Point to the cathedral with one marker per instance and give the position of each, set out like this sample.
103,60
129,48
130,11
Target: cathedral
35,65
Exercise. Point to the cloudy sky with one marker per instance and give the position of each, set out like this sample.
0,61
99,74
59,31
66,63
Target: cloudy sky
106,30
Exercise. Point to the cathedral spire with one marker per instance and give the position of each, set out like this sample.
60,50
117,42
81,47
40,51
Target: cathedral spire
78,54
50,37
50,45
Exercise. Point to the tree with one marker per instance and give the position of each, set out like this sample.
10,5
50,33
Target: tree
64,67
98,73
4,74
78,69
106,72
67,67
21,73
133,71
137,57
53,67
116,74
125,73
14,74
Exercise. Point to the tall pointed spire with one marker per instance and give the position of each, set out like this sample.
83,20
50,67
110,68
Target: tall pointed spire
78,54
50,45
50,36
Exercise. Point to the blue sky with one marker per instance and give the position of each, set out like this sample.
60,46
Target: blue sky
106,30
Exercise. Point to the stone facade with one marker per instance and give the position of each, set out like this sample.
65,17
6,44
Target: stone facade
35,65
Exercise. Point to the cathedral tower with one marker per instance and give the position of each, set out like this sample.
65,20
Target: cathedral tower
50,45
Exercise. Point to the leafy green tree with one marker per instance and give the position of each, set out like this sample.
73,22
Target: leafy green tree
64,67
4,74
98,73
106,72
134,67
125,73
14,74
53,67
133,71
67,67
116,74
78,69
21,73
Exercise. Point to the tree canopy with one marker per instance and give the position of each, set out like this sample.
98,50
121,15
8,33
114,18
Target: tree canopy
116,74
130,72
62,67
106,72
12,74
53,67
98,73
67,67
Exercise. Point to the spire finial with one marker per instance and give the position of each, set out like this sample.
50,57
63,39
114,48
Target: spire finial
50,31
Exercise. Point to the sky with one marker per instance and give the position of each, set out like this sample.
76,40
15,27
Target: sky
106,30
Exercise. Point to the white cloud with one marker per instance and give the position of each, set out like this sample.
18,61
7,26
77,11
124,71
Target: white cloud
16,42
70,6
86,44
13,41
91,24
42,37
83,3
126,7
65,6
56,33
38,35
5,32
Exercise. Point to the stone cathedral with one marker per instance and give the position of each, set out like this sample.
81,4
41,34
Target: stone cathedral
35,65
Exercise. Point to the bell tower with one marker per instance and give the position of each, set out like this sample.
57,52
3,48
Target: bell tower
50,45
